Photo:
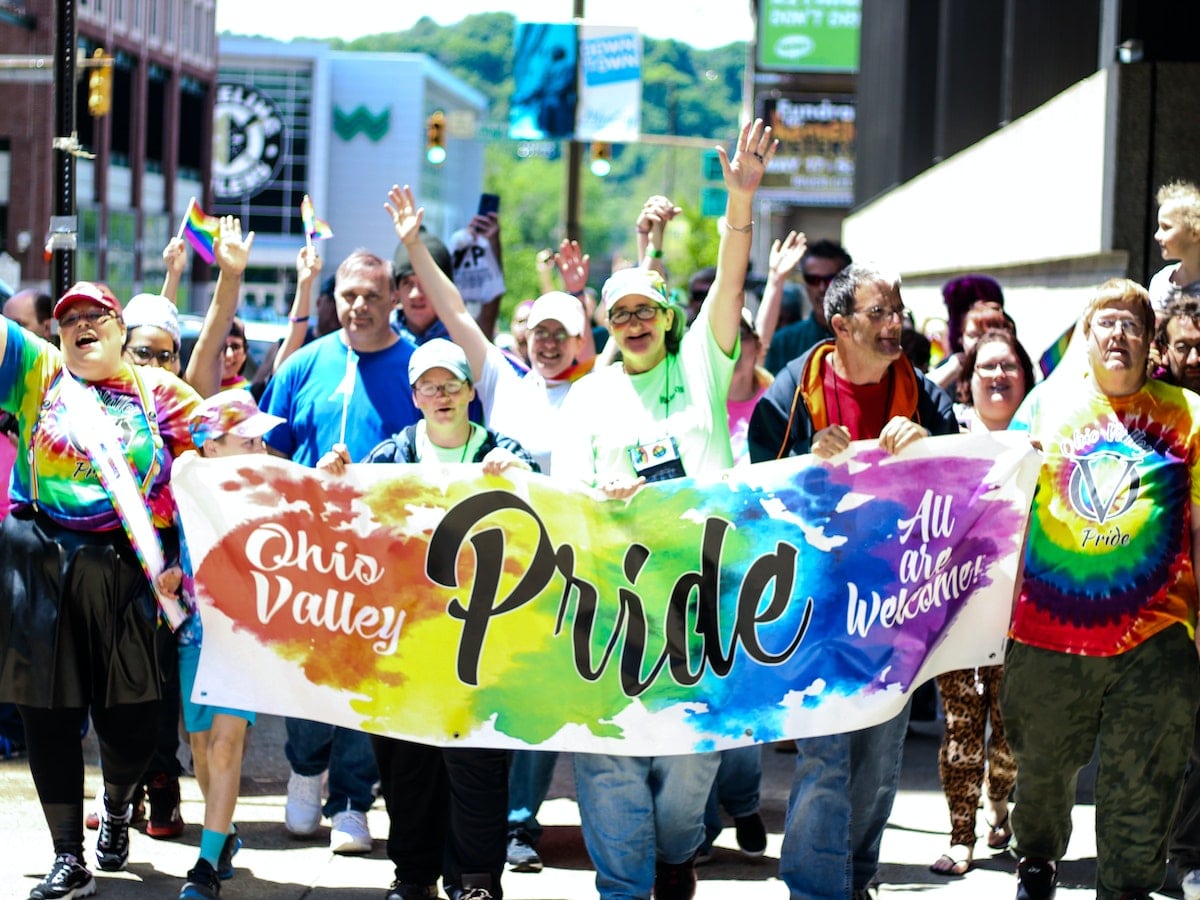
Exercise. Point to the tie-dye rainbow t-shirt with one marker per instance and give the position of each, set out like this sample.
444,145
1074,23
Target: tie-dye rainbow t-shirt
68,489
1108,560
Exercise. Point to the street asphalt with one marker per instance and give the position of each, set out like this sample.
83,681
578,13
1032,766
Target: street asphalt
275,865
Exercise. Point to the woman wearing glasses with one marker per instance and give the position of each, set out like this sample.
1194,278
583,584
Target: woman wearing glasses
152,332
997,374
77,615
659,413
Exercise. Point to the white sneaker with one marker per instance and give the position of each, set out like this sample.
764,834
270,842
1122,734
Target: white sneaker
1191,885
302,813
349,833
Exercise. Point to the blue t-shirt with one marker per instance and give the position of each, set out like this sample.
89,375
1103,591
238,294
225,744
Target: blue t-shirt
309,391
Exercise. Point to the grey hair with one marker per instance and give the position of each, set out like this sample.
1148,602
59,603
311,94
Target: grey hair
839,296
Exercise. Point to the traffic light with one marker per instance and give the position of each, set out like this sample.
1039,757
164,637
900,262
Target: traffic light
601,158
100,81
435,138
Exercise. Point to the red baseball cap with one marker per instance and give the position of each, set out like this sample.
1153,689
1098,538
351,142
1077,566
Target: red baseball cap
87,292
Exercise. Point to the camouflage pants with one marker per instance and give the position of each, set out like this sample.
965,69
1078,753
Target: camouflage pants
1140,706
1185,839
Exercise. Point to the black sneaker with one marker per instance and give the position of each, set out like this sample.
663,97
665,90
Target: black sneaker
675,881
521,853
1036,878
165,819
68,878
751,834
474,887
406,890
233,844
202,883
112,845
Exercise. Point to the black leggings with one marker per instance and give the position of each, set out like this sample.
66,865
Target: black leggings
126,734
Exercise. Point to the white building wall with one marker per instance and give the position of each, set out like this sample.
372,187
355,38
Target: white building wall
1025,205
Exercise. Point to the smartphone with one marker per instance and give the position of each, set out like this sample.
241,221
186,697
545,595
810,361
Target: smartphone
489,203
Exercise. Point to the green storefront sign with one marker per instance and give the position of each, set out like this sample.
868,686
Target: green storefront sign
808,35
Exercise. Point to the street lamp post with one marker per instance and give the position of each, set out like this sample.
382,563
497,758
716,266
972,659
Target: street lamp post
574,217
62,273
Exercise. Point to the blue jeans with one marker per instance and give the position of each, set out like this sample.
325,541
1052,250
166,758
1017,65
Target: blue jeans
639,810
529,775
313,747
842,794
735,789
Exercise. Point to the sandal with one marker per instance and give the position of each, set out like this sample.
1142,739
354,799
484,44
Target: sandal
946,864
1000,834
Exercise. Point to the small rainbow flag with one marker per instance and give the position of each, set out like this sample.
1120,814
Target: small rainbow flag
315,228
1055,352
201,230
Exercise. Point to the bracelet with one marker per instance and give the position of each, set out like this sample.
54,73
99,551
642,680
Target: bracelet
654,253
723,223
577,294
295,319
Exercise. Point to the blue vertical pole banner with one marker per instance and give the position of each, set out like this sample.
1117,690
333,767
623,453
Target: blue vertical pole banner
545,82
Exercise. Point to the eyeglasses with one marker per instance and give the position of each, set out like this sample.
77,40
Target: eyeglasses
236,347
1131,327
879,313
449,388
1184,350
92,317
1005,368
643,313
814,280
545,334
145,355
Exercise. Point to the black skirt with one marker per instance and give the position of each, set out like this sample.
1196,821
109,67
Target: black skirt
77,618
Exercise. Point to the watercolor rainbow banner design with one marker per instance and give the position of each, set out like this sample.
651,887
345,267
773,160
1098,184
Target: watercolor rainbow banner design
779,600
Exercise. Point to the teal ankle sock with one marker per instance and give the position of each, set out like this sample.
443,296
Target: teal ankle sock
211,843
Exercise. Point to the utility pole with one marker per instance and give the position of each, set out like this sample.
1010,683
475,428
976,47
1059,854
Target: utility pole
63,224
574,217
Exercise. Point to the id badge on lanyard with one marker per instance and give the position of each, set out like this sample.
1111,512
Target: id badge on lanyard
657,460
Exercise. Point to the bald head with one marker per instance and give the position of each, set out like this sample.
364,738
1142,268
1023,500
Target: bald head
30,310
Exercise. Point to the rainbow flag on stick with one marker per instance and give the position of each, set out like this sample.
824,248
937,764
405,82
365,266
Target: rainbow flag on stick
201,230
1055,352
314,228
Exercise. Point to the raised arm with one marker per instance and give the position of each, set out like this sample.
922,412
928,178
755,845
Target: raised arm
575,266
447,301
754,151
232,252
785,256
651,227
175,260
308,273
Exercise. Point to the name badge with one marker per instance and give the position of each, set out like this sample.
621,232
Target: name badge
657,460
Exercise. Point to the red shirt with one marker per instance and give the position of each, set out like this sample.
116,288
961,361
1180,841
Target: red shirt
862,408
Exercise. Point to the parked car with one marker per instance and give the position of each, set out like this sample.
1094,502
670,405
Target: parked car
260,338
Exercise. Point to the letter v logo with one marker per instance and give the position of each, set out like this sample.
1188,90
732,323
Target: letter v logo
1103,486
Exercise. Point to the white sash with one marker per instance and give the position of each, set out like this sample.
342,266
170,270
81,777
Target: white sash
99,436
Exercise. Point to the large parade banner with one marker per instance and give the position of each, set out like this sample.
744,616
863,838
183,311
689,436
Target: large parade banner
785,599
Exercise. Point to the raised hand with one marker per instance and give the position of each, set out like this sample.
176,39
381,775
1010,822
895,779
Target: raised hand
308,263
574,265
755,150
406,217
786,254
231,251
175,256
